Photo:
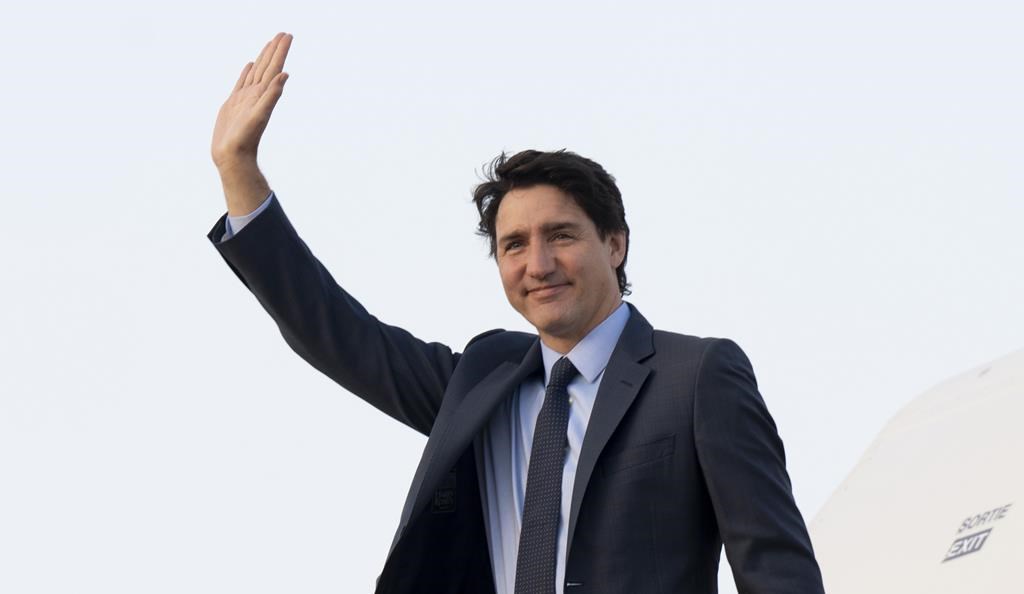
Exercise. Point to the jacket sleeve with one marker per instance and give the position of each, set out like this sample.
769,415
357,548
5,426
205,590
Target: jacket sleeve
744,466
384,365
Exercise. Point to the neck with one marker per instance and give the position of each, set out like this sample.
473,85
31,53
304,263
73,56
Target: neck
562,344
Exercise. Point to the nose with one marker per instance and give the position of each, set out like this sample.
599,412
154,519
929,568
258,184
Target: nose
540,261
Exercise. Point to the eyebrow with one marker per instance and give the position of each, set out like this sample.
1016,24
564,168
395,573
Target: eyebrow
545,229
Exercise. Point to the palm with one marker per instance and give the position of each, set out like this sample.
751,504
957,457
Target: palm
244,116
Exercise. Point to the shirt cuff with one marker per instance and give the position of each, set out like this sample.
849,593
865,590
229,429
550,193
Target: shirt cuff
234,225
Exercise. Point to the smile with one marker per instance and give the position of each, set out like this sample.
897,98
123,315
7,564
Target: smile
548,291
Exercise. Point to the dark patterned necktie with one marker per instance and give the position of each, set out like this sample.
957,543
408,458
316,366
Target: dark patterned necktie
535,565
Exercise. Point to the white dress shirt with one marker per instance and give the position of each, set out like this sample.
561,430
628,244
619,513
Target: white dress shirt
508,437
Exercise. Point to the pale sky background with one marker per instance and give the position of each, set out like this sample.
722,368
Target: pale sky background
837,187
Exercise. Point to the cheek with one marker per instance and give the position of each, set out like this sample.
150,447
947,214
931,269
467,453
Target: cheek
509,279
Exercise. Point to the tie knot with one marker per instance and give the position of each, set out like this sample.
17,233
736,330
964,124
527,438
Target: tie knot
562,373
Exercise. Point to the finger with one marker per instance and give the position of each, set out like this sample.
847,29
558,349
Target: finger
264,61
253,74
241,78
274,90
276,64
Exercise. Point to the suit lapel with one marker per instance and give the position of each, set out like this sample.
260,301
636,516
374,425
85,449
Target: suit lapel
466,421
622,380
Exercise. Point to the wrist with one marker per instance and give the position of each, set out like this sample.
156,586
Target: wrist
236,164
245,188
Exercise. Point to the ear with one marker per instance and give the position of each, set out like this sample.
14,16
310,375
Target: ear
616,242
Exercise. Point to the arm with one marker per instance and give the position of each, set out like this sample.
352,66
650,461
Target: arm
386,366
744,466
394,371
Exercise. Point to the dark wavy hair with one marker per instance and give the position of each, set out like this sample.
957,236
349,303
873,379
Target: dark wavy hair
592,188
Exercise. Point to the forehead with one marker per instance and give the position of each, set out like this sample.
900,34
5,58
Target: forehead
537,206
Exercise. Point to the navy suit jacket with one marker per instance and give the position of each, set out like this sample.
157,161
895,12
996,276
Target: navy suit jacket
680,453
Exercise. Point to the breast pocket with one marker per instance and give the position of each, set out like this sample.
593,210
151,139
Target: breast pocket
638,455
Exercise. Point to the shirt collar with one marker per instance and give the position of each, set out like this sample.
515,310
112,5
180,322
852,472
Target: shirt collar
590,356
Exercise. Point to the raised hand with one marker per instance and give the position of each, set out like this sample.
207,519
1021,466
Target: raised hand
244,116
241,122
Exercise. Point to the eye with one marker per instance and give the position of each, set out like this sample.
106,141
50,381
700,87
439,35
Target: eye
513,244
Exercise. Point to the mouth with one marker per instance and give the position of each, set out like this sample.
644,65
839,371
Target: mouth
547,290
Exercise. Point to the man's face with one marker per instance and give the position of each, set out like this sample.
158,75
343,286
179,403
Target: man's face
557,271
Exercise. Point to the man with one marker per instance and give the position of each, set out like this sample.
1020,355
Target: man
600,455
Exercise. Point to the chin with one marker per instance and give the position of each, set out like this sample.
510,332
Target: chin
549,317
557,327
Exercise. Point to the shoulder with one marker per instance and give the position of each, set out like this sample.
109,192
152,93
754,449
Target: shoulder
499,343
700,357
488,351
700,347
675,349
